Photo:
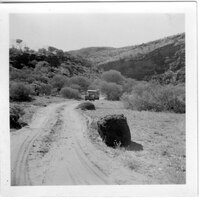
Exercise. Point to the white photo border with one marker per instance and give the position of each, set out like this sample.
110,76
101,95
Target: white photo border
190,11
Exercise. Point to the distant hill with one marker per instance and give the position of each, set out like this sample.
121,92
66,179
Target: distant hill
87,52
163,59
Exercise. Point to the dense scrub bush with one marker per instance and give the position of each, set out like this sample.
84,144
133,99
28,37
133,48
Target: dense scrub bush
42,66
27,75
45,89
21,75
41,78
70,93
58,82
81,81
19,92
76,87
128,84
112,76
95,84
156,97
112,91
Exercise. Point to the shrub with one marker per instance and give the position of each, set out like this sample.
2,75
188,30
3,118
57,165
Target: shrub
113,76
128,85
95,84
81,81
173,98
45,89
76,87
70,93
156,97
41,78
42,66
112,91
58,82
19,92
22,75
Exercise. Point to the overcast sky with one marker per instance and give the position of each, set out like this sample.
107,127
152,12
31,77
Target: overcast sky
75,31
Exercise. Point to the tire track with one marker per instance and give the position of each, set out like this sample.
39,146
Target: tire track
65,161
20,169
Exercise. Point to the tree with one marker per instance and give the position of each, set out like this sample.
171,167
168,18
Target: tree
19,41
113,76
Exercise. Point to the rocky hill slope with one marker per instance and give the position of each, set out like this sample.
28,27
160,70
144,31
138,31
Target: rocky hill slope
29,66
163,59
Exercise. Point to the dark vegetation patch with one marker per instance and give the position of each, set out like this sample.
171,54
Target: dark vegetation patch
47,71
16,113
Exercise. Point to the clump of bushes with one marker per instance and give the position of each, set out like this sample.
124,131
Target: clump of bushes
155,97
95,84
45,89
112,91
70,93
19,92
112,76
58,82
128,84
79,81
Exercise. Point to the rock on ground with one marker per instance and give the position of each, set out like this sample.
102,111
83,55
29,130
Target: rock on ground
114,130
86,106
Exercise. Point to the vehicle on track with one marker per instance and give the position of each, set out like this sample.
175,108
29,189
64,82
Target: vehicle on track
92,95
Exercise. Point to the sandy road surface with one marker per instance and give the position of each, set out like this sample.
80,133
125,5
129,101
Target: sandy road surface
54,150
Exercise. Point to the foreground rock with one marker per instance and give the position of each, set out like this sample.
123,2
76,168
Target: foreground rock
86,106
114,130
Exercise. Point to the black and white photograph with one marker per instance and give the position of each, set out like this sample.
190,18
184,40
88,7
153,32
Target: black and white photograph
97,95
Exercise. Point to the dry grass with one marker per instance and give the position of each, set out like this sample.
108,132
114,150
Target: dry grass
162,136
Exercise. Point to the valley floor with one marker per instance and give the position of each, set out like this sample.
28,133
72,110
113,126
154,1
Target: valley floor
60,147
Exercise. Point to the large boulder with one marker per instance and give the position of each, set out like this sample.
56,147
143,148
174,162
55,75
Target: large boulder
114,130
86,106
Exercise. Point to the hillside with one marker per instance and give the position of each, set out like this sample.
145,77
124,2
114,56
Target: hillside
87,52
41,66
163,59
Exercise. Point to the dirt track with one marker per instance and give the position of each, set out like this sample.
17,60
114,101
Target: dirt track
53,150
56,150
